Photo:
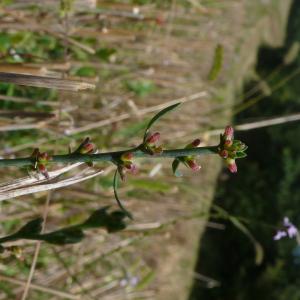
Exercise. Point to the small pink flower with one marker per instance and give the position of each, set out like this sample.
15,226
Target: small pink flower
230,149
133,169
127,156
223,153
231,165
193,165
126,165
228,143
149,144
86,147
153,138
41,161
196,142
228,134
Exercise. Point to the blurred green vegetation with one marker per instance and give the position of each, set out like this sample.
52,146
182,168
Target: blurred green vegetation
265,190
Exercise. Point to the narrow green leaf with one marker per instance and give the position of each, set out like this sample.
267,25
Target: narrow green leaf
175,165
259,252
240,155
146,280
115,185
158,116
151,185
141,88
217,63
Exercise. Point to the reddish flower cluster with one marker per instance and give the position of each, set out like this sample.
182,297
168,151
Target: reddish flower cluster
231,149
41,161
126,165
190,161
150,144
86,147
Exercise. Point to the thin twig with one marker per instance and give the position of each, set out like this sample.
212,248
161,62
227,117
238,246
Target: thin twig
110,156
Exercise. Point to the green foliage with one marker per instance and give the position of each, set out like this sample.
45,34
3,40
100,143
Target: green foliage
217,63
151,185
158,116
105,53
146,280
86,72
175,165
141,88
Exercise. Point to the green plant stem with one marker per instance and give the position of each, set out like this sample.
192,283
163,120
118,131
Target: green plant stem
110,156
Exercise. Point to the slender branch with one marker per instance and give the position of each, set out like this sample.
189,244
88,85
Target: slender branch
110,156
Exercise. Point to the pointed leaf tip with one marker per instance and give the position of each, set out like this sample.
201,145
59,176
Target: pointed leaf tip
158,116
175,166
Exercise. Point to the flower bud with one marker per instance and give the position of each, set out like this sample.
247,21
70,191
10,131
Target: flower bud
193,165
133,169
43,158
126,165
228,133
223,153
157,150
41,161
228,143
86,147
231,165
160,20
153,138
149,144
127,156
196,142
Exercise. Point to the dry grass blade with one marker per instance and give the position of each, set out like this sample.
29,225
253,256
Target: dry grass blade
45,82
38,183
28,101
49,185
144,111
15,127
259,124
38,178
27,69
9,114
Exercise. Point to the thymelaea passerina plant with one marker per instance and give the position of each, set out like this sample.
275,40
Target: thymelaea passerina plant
228,148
